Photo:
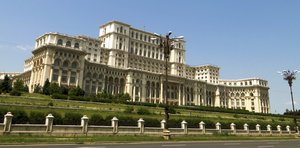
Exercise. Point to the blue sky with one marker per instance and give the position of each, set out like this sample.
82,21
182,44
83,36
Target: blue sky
246,38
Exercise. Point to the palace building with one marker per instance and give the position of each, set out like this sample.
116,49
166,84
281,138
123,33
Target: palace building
126,60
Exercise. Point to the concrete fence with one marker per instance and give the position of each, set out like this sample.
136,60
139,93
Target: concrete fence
85,129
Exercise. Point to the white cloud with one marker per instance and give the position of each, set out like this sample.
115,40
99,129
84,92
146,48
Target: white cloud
11,46
24,47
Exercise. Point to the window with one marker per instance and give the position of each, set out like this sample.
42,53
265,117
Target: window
76,45
74,65
59,42
65,64
68,44
64,76
73,77
57,62
55,75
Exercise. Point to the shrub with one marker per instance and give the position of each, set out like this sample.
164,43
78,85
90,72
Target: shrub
15,93
79,98
72,119
57,117
3,112
59,96
96,119
143,111
127,121
172,110
129,109
20,117
150,122
37,117
76,91
50,103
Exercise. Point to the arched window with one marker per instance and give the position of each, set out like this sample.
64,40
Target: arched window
76,45
74,65
59,42
57,62
65,64
251,94
68,44
242,95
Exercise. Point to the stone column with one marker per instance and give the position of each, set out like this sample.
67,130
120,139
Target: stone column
269,128
246,128
114,124
184,127
162,96
7,122
141,125
233,128
279,129
49,123
202,126
84,124
218,127
179,95
258,128
288,129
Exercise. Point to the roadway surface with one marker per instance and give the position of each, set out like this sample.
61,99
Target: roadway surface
210,144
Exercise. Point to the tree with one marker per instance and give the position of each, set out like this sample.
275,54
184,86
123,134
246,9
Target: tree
46,87
37,89
18,85
290,76
26,89
6,84
54,88
77,91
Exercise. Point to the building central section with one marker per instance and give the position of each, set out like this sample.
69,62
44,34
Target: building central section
127,60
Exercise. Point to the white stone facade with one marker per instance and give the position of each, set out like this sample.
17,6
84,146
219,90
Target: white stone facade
125,60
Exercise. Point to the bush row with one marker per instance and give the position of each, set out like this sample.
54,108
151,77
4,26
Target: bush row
73,118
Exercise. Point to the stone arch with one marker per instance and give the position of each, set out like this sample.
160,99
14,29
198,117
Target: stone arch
66,64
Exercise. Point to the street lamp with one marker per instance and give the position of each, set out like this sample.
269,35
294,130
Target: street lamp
167,44
290,76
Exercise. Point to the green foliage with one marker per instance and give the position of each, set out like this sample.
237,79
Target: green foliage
54,89
26,89
3,111
19,116
96,119
37,89
172,110
64,90
129,109
59,96
46,87
72,118
50,103
105,95
36,117
6,84
121,98
143,111
57,117
127,121
19,85
77,91
15,93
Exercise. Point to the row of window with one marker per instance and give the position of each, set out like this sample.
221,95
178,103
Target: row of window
67,44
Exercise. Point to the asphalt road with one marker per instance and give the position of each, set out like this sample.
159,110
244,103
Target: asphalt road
210,144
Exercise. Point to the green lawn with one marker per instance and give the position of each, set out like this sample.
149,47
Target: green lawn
38,102
39,139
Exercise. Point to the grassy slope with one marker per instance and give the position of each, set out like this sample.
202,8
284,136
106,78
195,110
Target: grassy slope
40,102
